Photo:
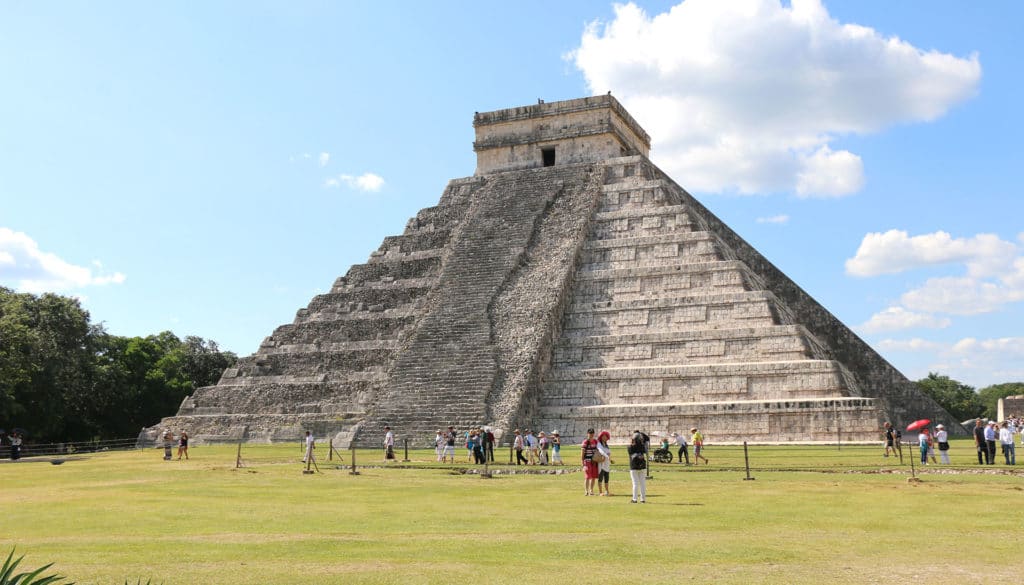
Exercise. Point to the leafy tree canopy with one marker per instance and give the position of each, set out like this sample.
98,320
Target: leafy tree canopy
957,398
63,378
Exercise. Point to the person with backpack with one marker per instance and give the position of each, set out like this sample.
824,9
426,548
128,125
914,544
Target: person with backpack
590,470
638,469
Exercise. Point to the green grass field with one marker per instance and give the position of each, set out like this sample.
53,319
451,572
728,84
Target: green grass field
112,517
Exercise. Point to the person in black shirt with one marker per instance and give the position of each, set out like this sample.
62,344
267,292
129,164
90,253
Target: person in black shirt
979,441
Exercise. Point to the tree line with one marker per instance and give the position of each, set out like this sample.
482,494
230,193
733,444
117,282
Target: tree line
963,401
64,378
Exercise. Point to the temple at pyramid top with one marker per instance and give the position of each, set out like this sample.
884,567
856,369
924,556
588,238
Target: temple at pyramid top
587,129
568,283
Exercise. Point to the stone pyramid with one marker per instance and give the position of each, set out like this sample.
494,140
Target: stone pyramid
568,284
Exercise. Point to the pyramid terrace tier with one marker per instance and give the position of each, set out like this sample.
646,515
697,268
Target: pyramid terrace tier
763,344
315,361
820,420
652,250
282,397
783,380
643,222
273,428
398,294
622,284
358,326
655,314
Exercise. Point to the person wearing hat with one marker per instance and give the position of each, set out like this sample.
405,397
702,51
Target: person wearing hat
556,448
389,444
439,445
681,443
542,440
698,443
517,444
942,438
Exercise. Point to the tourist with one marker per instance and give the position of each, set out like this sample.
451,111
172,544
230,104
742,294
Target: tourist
168,444
1006,441
556,448
924,442
307,453
518,445
604,468
489,444
183,445
638,468
478,447
990,442
439,446
531,445
389,445
890,439
683,450
469,446
587,450
449,446
15,446
544,443
979,442
942,438
698,443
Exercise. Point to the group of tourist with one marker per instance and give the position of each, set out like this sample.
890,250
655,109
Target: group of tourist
479,443
168,439
537,450
986,435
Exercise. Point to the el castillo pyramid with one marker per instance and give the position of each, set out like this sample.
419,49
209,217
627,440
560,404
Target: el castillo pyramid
567,284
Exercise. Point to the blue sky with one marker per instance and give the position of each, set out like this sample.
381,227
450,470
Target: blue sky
206,168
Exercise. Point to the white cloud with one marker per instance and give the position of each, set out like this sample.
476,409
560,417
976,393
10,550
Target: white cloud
961,296
915,344
898,319
324,158
747,95
779,219
27,268
365,182
895,251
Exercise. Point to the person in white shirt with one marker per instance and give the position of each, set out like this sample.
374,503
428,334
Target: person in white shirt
683,451
389,444
439,445
1006,440
310,445
942,438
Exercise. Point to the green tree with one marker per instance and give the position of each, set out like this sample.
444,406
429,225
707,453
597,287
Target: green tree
990,396
957,398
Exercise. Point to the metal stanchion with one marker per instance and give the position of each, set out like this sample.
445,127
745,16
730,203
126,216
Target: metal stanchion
406,460
238,457
746,462
330,450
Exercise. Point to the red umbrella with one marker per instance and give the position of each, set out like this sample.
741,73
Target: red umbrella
918,424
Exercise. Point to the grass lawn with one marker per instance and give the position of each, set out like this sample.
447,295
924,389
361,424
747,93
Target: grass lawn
113,517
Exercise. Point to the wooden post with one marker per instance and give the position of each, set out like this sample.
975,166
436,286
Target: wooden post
746,462
238,457
330,450
353,472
